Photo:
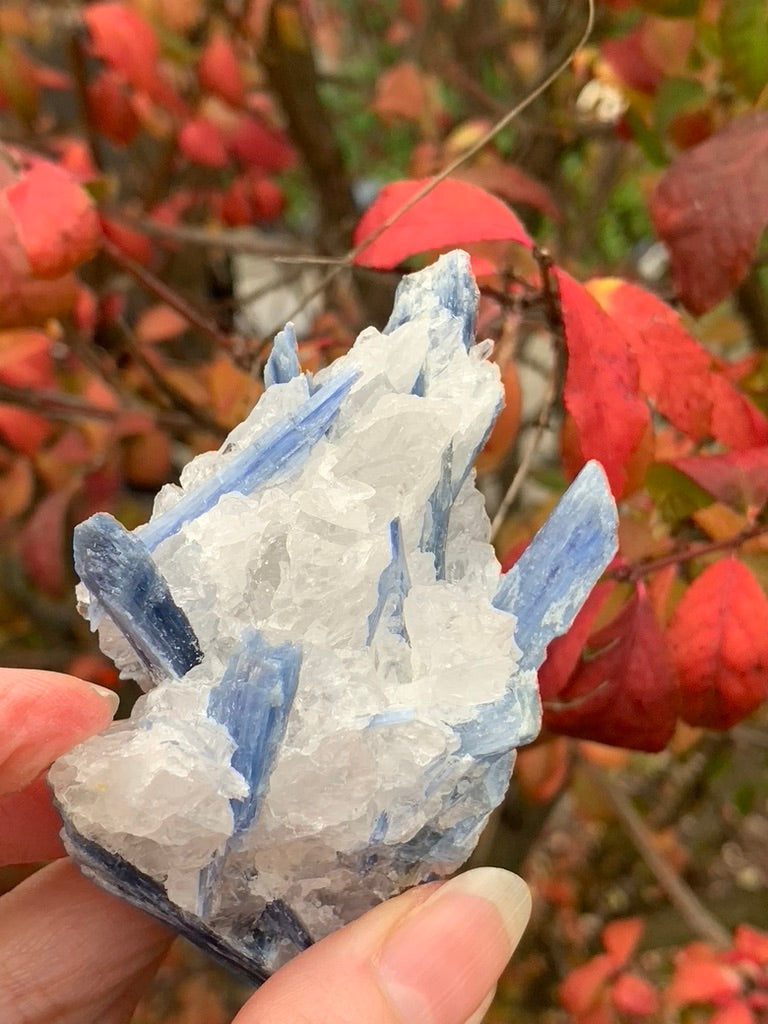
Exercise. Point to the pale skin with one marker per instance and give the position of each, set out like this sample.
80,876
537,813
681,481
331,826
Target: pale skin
71,954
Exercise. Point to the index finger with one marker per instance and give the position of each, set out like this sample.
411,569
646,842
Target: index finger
42,715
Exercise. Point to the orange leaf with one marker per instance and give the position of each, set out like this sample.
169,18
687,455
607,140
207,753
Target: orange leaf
452,214
401,93
17,487
702,980
505,428
582,989
542,769
620,938
634,996
718,638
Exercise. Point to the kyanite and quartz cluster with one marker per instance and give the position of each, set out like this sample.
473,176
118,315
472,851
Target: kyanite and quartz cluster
336,675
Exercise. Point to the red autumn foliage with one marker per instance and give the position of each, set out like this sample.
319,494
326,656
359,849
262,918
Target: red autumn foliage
676,373
454,213
623,690
602,391
710,209
219,71
53,221
124,41
718,638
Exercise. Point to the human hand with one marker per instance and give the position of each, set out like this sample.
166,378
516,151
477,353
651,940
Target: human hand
72,954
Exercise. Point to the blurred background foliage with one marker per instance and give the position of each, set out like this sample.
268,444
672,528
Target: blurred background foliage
232,147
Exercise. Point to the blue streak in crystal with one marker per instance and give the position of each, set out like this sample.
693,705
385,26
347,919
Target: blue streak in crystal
447,285
546,588
394,582
434,535
280,449
253,702
122,577
283,362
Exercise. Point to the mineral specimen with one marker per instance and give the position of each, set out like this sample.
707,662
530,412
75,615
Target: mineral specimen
336,676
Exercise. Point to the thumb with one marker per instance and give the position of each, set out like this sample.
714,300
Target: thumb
430,956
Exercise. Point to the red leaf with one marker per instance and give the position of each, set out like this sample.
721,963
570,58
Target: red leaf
752,945
680,376
53,217
738,479
582,989
710,208
511,184
42,543
219,71
629,58
623,691
620,939
601,383
133,243
564,652
124,41
736,1012
202,142
109,108
699,978
634,996
718,638
257,145
453,213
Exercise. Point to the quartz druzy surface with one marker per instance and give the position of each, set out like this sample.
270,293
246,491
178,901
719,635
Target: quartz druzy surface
336,675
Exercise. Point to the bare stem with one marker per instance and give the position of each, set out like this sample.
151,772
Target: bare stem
691,909
167,294
633,573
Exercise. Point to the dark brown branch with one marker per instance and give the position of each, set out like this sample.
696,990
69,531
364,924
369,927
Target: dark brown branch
634,573
168,295
289,61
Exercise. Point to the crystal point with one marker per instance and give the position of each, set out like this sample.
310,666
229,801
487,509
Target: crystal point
337,678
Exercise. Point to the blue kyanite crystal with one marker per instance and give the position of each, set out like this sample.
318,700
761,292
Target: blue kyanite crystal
336,676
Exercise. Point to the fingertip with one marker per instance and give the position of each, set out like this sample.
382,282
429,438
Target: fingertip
42,715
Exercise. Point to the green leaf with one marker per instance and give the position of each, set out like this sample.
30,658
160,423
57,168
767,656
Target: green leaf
744,40
675,496
674,96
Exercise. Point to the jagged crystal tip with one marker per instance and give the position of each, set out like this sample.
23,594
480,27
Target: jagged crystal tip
336,676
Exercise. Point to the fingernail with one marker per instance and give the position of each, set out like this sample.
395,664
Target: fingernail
479,1014
438,966
109,695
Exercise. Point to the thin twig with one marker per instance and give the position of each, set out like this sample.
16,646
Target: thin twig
691,909
167,295
166,386
633,573
550,298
